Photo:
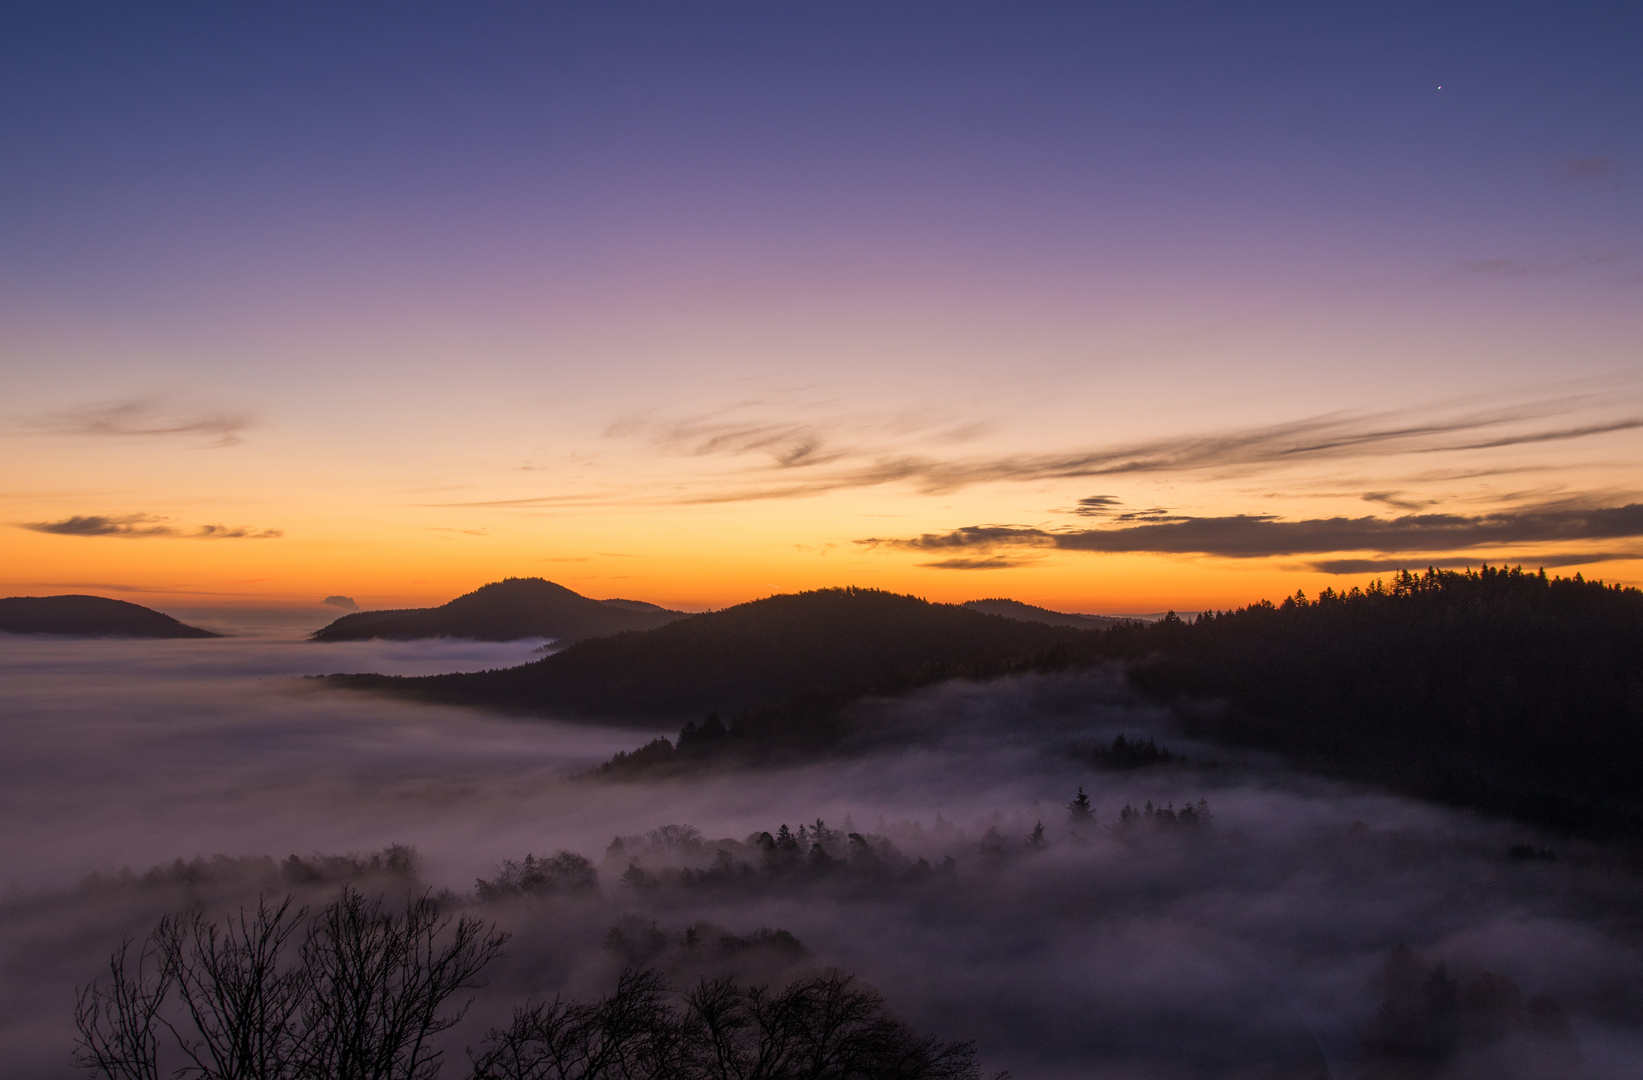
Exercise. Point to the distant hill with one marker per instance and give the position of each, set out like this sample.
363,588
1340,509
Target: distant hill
1015,609
831,641
90,616
504,611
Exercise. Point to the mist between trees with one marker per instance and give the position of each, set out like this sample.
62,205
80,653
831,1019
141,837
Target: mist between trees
362,991
1255,944
618,967
1503,690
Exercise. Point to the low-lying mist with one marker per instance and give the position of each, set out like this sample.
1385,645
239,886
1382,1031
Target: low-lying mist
1256,940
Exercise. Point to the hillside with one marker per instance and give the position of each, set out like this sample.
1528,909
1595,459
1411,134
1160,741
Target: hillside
1502,690
832,641
1015,609
504,611
1505,691
90,616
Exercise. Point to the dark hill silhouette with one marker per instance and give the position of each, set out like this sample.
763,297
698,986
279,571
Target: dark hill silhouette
1503,690
1015,609
90,616
837,642
504,611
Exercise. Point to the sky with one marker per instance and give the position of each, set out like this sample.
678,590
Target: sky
1110,308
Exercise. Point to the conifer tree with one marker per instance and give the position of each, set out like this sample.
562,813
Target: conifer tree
1079,811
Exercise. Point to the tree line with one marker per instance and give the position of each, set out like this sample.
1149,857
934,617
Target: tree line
361,990
1501,689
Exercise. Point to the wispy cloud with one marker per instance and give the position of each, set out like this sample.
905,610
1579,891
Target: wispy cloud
142,418
1599,171
1237,451
145,526
986,562
788,444
1547,267
1248,536
811,458
743,430
1096,506
1590,168
1396,500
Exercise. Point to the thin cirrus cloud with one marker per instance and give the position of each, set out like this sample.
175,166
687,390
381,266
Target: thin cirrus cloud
811,458
1252,536
790,444
1597,172
142,418
148,526
985,562
1517,268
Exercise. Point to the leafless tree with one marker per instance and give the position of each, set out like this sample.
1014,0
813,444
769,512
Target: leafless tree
380,983
824,1028
828,1028
630,1034
118,1020
239,995
360,999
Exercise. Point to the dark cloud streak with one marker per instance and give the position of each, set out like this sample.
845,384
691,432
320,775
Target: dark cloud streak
145,526
1247,536
987,562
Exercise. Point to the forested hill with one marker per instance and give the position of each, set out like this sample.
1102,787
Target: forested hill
90,616
838,642
504,611
1504,690
1015,609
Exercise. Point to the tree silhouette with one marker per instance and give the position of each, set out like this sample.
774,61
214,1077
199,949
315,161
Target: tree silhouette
360,997
1079,811
828,1027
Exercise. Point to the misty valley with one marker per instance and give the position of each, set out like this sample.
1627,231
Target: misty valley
821,541
834,834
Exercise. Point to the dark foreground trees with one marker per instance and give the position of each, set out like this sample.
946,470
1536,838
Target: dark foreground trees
362,991
828,1027
355,991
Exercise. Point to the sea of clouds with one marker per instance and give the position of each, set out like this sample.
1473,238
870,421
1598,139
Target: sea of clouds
1249,947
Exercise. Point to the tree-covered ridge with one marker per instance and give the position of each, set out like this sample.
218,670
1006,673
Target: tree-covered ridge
832,643
1015,609
90,616
1502,689
1499,688
504,611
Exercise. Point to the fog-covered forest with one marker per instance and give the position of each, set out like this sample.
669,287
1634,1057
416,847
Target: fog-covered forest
1050,869
1497,689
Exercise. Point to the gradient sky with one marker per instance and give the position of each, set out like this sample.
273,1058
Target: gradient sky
1111,308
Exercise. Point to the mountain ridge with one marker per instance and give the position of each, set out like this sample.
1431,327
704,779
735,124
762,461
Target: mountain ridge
821,641
1025,612
81,615
505,610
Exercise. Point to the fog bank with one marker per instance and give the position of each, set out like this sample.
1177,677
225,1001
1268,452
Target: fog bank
1250,945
